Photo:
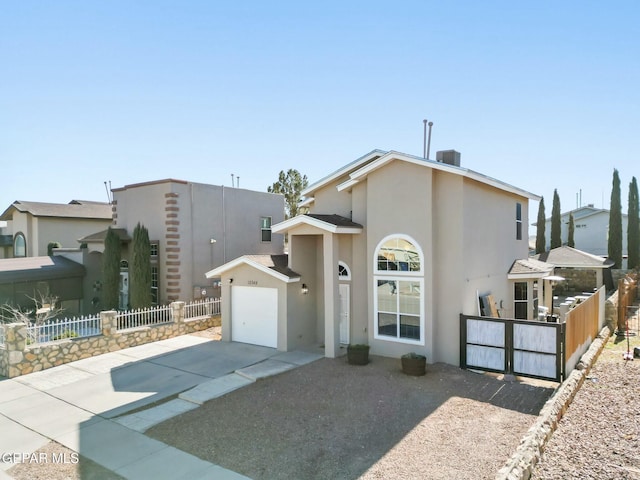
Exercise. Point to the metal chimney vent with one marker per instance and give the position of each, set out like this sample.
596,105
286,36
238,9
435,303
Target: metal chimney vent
450,157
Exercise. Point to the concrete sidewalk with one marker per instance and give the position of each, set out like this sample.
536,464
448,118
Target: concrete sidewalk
83,405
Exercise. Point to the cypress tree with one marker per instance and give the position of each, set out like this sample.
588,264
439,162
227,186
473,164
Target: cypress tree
633,227
541,225
615,223
111,270
556,226
572,227
140,271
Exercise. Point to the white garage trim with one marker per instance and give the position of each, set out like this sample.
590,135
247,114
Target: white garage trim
254,315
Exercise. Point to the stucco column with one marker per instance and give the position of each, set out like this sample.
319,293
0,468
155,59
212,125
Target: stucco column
331,296
599,279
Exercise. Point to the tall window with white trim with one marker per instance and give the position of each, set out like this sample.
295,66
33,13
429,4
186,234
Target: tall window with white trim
399,290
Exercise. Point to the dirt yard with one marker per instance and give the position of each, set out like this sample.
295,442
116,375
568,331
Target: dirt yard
334,420
599,435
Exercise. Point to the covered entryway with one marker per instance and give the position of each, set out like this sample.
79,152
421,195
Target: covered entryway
254,315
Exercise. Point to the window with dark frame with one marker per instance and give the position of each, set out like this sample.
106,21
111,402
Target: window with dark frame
520,300
518,221
265,228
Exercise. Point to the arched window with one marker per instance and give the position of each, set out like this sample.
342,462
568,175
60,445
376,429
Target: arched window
399,290
343,271
19,245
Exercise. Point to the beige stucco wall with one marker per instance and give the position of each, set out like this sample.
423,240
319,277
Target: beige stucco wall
399,203
306,326
39,231
448,267
332,201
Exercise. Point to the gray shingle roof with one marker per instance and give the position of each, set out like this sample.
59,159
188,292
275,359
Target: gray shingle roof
571,257
99,237
333,219
529,266
277,263
76,209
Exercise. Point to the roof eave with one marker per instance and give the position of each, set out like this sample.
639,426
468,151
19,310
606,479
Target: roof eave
287,225
392,155
216,272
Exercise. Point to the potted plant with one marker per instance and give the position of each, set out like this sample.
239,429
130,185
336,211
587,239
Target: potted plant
358,354
414,364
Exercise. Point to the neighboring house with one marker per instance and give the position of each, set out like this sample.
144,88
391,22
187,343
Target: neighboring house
193,227
591,230
28,279
394,249
6,241
33,225
581,270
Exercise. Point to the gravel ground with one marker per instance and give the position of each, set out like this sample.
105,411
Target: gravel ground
334,420
599,435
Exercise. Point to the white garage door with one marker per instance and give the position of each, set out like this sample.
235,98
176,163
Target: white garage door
254,315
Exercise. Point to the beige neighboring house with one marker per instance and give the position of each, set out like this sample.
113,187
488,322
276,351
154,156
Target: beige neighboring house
394,248
33,225
193,227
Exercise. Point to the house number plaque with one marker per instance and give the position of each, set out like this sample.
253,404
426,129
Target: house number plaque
252,282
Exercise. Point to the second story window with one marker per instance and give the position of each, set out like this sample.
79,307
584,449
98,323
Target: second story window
518,221
265,228
19,246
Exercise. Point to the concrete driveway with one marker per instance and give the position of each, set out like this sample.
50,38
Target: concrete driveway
100,406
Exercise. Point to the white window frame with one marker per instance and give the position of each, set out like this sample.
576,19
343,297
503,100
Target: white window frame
346,277
398,275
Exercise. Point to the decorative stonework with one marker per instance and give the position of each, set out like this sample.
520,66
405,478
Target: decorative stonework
17,358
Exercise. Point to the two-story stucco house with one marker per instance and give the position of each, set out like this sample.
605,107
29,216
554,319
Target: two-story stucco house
394,248
33,225
193,227
591,231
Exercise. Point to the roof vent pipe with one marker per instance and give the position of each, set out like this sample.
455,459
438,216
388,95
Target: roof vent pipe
424,139
429,142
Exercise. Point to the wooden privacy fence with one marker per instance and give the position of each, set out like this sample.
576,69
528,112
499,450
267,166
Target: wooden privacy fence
582,326
530,348
627,289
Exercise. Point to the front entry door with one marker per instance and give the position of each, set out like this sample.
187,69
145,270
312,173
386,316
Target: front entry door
345,300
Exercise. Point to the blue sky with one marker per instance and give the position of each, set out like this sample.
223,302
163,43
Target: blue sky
541,95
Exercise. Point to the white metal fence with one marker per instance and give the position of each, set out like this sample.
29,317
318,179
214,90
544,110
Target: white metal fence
144,317
202,308
76,327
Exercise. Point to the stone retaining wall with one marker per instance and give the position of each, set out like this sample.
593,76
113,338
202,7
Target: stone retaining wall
522,463
17,358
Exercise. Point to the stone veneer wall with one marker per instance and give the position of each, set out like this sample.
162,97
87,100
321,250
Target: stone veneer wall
17,358
576,280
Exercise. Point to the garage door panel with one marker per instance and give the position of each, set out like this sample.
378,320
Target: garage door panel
254,314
